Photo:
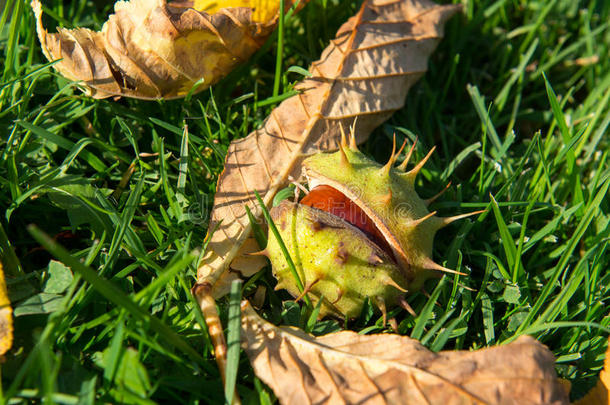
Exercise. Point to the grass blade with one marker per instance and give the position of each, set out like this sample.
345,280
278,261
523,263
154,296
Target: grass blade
279,61
233,340
285,252
114,294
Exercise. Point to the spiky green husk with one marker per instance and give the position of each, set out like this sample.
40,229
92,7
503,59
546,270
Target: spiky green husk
334,260
388,196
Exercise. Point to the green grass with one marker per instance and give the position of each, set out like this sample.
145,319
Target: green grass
516,99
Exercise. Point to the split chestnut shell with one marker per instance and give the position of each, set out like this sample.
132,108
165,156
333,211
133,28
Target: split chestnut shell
339,259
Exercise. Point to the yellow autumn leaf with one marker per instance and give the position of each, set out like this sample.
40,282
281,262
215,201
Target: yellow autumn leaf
150,49
6,317
264,10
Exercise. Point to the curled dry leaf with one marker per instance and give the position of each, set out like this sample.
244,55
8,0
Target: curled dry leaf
364,73
6,317
348,368
150,49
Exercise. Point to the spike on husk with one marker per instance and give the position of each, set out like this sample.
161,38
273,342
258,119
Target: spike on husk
407,307
388,166
382,307
352,141
447,220
411,174
417,222
343,137
403,166
307,289
437,195
390,282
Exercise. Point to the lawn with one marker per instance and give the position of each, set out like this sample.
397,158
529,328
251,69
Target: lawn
516,99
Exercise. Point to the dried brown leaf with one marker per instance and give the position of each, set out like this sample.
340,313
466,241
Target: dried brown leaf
150,49
348,368
364,73
6,317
